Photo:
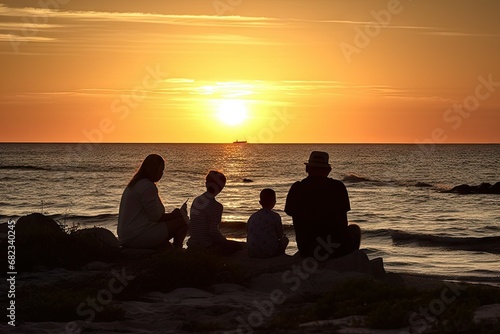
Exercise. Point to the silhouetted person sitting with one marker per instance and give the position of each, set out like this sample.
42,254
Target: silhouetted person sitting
142,220
265,237
205,217
318,205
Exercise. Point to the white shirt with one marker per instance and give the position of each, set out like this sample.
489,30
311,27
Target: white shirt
140,208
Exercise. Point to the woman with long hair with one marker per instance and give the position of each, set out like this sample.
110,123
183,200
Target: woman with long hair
142,221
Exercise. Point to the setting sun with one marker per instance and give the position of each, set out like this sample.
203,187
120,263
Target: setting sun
277,71
232,112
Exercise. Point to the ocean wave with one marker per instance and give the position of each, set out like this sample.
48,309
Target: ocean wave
69,168
85,219
383,232
355,178
24,167
482,244
236,228
7,178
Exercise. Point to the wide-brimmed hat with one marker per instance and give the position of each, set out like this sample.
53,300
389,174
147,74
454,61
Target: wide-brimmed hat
318,159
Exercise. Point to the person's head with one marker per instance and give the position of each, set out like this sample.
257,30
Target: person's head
151,168
267,198
215,182
318,164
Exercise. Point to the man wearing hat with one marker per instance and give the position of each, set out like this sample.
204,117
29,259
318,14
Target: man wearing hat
318,205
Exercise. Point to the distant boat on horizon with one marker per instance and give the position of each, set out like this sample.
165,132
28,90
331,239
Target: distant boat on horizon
240,142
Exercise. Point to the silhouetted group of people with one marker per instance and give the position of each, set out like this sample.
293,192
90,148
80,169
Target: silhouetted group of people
317,204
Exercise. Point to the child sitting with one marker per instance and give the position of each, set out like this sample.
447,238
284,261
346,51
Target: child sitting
265,236
206,215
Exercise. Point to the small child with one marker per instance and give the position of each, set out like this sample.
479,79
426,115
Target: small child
265,236
206,215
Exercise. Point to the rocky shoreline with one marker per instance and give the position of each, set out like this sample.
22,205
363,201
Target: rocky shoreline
483,188
277,295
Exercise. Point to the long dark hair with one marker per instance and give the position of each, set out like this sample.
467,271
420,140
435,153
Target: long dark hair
148,169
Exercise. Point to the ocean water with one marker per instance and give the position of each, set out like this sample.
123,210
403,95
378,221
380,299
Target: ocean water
396,192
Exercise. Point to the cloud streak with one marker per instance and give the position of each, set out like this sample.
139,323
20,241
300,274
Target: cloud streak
137,17
17,38
173,90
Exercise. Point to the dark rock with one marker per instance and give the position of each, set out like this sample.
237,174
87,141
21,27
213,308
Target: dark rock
98,266
42,242
483,188
462,189
38,226
138,253
495,189
423,184
355,178
98,236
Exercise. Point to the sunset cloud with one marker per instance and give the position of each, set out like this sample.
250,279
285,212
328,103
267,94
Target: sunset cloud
78,60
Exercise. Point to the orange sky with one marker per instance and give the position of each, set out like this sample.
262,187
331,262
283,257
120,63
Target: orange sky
306,71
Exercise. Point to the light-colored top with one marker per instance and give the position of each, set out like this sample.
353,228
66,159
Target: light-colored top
140,208
205,217
264,229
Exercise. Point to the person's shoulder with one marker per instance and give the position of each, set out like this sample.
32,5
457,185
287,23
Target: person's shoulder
265,214
201,199
297,184
336,183
197,198
275,214
256,213
218,204
144,181
254,216
144,184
